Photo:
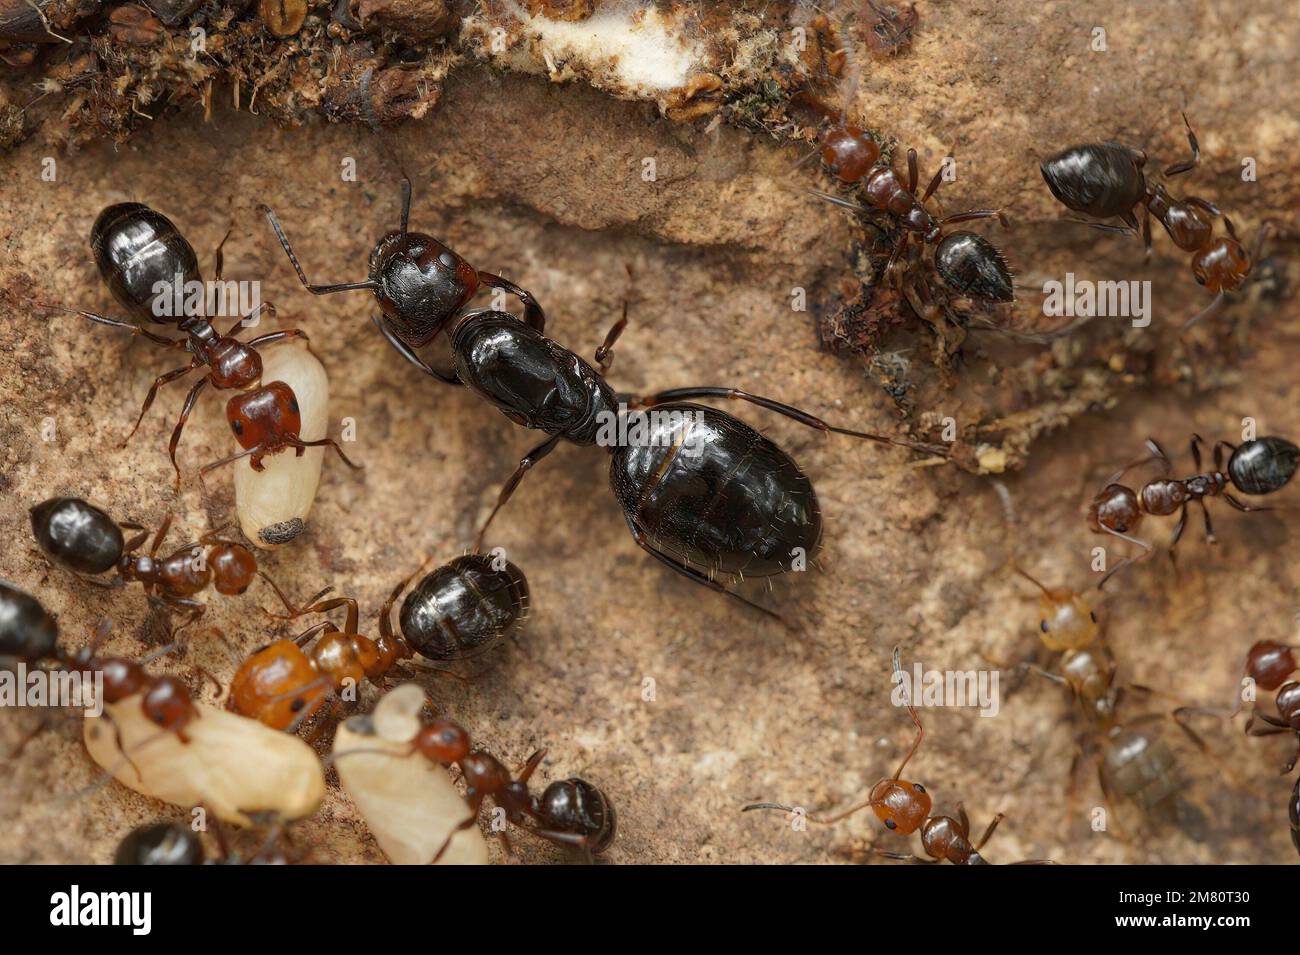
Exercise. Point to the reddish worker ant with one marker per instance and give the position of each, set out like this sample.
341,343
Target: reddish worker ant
904,807
1269,664
1106,179
139,251
1260,466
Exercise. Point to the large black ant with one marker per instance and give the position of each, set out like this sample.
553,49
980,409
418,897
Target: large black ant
1260,466
88,541
139,252
420,284
1105,180
904,807
685,499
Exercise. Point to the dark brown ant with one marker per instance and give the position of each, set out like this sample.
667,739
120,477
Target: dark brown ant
569,812
420,284
1268,664
28,631
87,541
139,251
458,611
904,807
1103,180
1260,466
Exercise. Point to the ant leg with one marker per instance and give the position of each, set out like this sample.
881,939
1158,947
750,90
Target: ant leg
224,461
219,257
161,535
803,417
525,465
1146,229
1218,453
186,408
1215,306
133,544
385,612
1204,204
1196,443
323,442
406,352
1158,454
605,353
369,284
475,804
1187,165
692,574
531,765
912,172
1132,540
274,338
153,393
1244,507
976,214
253,318
1178,529
989,831
325,606
177,343
905,857
934,185
534,317
1209,526
406,204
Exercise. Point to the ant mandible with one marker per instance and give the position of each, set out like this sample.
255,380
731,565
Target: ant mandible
420,284
140,251
1107,179
1260,466
88,541
904,807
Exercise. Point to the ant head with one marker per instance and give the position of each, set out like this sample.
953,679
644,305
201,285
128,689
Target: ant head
1222,266
264,417
167,703
1116,508
848,152
122,678
443,741
1068,620
900,805
1269,664
422,284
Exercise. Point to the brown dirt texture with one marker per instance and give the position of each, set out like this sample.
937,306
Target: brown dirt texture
543,183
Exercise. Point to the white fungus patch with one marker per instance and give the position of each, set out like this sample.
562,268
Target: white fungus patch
624,46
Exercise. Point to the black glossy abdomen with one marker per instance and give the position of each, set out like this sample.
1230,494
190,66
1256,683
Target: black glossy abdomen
77,534
1264,465
1098,179
464,607
972,265
136,248
739,505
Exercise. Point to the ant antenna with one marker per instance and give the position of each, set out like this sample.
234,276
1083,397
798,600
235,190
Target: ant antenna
911,711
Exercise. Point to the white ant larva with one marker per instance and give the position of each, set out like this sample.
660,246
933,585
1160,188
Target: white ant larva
409,802
273,504
230,764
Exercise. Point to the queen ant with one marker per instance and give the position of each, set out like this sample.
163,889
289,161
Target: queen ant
87,541
458,611
1105,180
682,508
904,807
139,251
1256,467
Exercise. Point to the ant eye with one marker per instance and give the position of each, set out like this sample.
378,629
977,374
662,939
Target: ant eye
237,426
918,787
1042,625
1092,615
890,824
293,405
447,260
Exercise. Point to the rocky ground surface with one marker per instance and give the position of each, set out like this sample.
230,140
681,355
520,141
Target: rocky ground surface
543,182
